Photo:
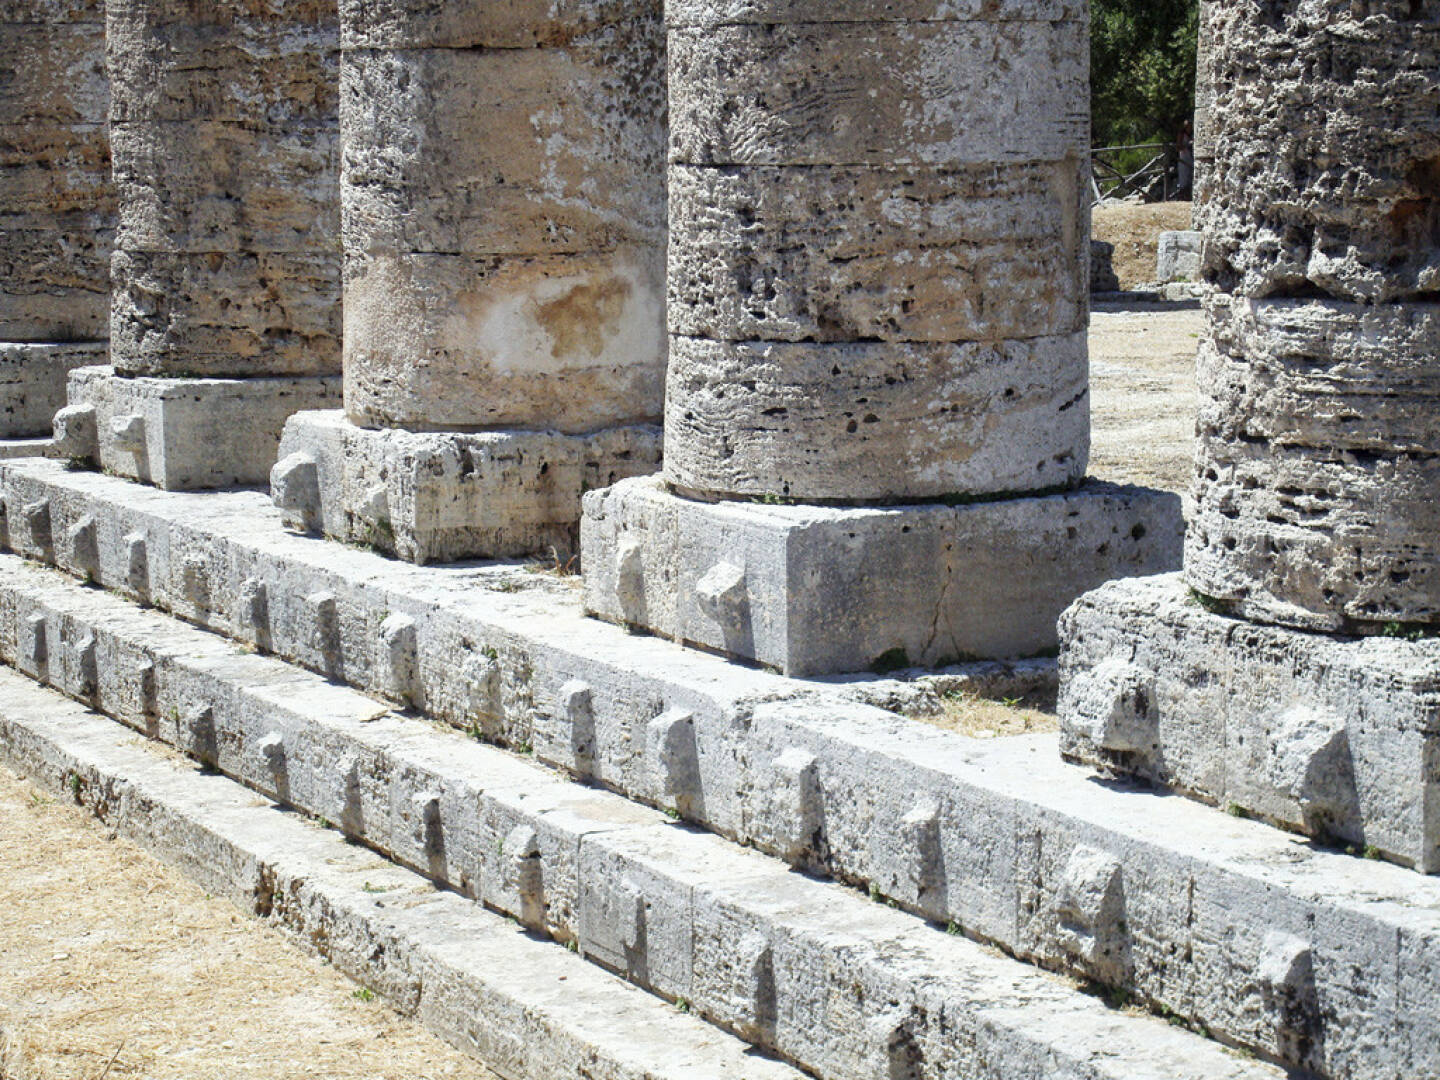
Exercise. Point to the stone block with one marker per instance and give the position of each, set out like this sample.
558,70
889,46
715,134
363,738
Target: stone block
1102,268
55,73
54,277
1326,126
226,315
1332,736
874,421
1178,256
33,379
185,434
50,171
918,93
505,151
570,343
811,591
860,253
520,24
449,496
1318,463
711,13
204,187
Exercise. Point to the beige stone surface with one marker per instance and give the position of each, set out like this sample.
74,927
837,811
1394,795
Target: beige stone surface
774,12
879,93
849,253
1327,174
226,314
457,342
54,281
488,151
1319,462
54,73
514,24
876,422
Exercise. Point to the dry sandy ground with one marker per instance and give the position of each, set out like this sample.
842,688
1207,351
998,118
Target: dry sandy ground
1134,229
113,965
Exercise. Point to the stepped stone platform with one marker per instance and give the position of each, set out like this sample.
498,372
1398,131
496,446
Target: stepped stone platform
1313,958
527,1008
813,590
744,942
32,382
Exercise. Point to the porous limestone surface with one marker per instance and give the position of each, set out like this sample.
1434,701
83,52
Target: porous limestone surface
1177,256
32,382
27,448
861,253
504,216
710,13
746,943
1326,126
56,204
815,591
571,343
1337,737
526,1008
184,434
226,161
508,655
910,93
449,496
876,422
1318,463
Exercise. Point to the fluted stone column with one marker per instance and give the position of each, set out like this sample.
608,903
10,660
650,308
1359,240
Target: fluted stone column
226,271
504,227
1317,511
56,207
877,296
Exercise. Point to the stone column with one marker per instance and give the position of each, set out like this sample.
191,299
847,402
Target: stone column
1305,686
877,297
56,208
504,229
226,271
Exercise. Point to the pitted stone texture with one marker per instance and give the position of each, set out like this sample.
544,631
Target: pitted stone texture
1327,162
847,253
585,696
187,434
1335,737
519,24
812,591
709,13
33,379
226,315
1319,463
876,422
507,151
449,496
569,343
204,186
909,93
56,206
1178,256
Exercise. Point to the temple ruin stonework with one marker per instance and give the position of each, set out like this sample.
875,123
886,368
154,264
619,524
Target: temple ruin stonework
452,274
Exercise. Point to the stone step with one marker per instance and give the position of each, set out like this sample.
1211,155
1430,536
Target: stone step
527,1008
999,837
27,448
840,985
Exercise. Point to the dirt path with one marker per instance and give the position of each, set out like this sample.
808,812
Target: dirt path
114,965
1143,402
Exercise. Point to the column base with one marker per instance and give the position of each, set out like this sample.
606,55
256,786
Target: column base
1336,737
32,382
431,497
184,434
816,590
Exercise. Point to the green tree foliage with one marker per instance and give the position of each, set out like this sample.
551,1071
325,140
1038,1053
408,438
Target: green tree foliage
1142,61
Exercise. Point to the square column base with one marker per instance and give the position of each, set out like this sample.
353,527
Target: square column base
432,497
1335,737
184,434
33,378
814,590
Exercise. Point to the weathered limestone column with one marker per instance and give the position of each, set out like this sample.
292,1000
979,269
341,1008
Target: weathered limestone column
1302,680
226,316
877,296
56,207
504,225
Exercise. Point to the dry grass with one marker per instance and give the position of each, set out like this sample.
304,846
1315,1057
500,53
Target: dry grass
982,718
1134,229
114,966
